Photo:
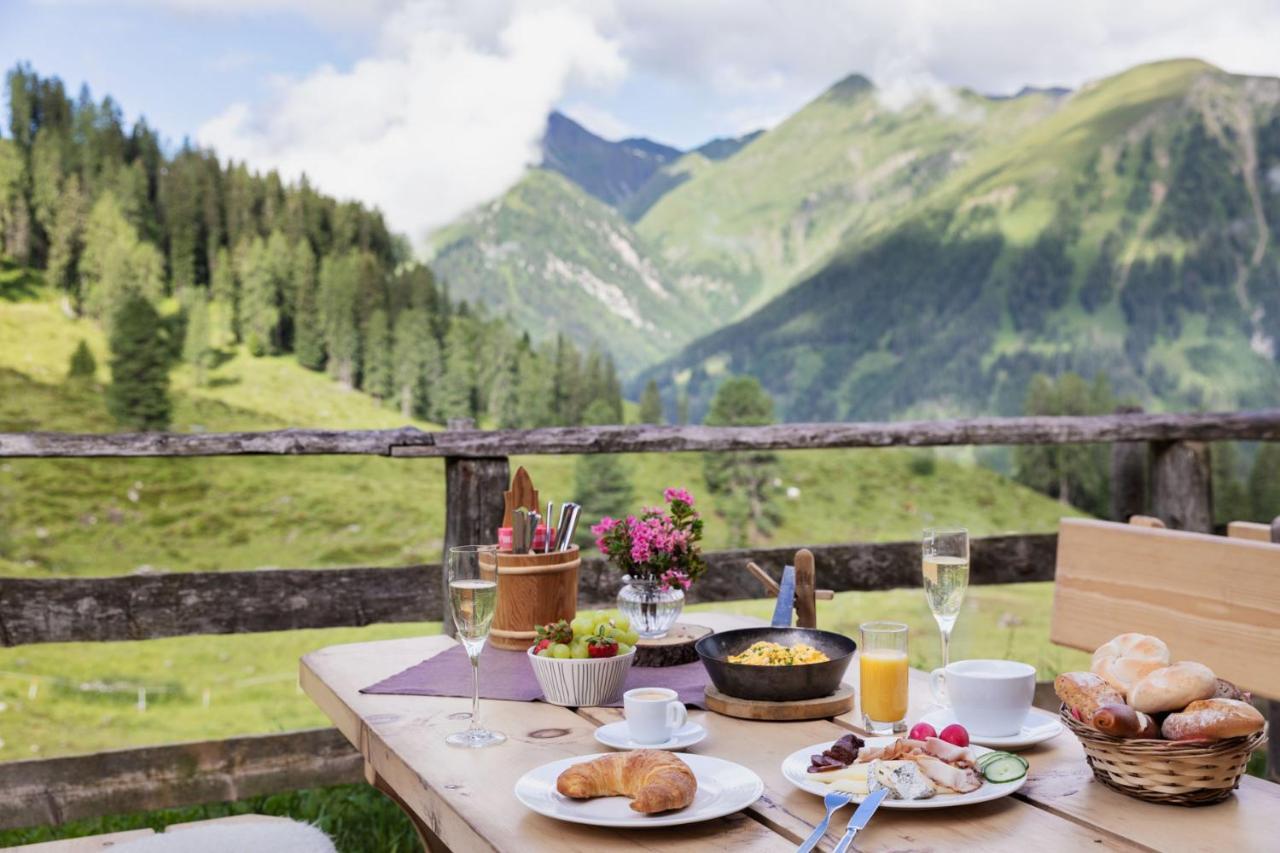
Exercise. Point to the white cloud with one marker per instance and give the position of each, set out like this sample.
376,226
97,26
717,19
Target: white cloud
432,124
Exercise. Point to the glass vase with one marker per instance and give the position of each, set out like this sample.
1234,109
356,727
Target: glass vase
651,609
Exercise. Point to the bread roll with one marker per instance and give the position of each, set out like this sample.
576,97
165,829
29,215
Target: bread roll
1213,719
1173,687
1123,721
1129,658
1084,693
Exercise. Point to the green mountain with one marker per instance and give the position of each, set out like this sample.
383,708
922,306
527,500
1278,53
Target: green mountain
555,259
610,171
1129,228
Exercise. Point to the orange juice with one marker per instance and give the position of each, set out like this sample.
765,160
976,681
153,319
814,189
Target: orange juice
884,684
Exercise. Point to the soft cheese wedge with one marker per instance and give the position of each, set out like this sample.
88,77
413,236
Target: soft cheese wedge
850,780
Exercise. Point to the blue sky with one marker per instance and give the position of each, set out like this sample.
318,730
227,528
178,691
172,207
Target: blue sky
427,108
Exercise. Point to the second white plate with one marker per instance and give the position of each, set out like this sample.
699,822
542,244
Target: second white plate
723,788
1037,728
795,767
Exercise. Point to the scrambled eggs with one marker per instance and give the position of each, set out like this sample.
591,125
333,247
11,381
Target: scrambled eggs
776,654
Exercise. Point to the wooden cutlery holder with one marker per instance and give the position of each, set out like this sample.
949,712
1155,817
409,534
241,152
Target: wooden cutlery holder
533,589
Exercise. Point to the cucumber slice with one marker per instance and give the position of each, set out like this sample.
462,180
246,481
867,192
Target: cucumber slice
1006,768
988,757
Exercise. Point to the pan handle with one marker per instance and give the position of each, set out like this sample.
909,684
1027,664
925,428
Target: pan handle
786,598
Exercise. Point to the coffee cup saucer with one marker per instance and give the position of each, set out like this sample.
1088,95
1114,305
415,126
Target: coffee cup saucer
1038,727
618,736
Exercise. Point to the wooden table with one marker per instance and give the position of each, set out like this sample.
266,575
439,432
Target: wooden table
462,800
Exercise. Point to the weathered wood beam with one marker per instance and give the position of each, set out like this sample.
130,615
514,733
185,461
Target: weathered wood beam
135,607
55,790
286,442
472,490
1262,425
1182,485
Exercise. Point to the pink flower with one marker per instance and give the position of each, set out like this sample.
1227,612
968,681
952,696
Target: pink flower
675,578
674,494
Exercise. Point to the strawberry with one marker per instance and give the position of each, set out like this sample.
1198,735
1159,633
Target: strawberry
552,633
600,646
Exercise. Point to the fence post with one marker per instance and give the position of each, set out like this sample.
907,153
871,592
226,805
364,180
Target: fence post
473,506
1128,474
1182,485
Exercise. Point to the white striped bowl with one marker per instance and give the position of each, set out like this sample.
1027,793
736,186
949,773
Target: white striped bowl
579,682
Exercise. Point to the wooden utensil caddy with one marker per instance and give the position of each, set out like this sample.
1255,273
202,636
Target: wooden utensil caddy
533,589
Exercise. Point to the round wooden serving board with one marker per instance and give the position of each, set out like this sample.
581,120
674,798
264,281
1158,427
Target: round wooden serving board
837,703
673,649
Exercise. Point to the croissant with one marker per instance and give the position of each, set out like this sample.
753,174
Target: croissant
656,781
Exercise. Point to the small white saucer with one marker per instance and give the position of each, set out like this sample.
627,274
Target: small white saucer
1038,727
618,736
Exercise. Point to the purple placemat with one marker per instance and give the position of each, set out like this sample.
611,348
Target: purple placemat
508,675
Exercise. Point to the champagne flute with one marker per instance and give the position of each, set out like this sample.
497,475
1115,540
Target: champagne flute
946,576
473,592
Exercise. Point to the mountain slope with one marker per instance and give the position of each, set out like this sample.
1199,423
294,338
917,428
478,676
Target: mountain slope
1131,231
557,260
610,171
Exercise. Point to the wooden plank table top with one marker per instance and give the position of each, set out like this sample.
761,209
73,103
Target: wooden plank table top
464,798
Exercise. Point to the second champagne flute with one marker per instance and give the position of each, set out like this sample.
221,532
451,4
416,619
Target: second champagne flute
946,577
473,594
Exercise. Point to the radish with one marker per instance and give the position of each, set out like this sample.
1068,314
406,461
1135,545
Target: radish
955,734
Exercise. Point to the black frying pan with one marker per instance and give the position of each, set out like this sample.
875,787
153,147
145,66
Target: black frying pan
777,683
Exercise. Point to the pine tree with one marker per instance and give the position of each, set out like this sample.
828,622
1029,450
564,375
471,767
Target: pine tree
66,240
278,258
416,362
457,396
225,291
1264,482
1230,494
682,407
82,367
308,336
115,263
537,385
337,303
601,482
504,401
651,404
195,345
378,379
138,396
14,220
259,314
743,480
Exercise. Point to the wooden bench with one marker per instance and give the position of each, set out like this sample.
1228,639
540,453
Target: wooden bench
95,843
1212,599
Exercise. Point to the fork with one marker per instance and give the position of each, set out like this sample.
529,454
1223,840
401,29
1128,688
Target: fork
834,801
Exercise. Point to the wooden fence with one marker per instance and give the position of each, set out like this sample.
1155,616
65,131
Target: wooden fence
1160,466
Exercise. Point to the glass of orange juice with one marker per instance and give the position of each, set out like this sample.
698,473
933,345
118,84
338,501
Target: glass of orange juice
883,677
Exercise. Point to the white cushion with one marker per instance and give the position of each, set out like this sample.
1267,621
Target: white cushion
277,836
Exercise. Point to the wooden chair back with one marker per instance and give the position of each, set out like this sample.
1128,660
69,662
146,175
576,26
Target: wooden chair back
1213,599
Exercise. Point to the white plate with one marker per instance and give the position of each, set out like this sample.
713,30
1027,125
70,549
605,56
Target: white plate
1037,728
618,736
794,767
723,788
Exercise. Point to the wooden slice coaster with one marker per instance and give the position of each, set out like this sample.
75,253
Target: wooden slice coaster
673,649
837,703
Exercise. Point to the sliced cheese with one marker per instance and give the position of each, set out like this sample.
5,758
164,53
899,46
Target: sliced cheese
853,771
850,786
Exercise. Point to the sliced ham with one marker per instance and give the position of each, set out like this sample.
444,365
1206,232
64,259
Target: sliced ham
962,780
948,752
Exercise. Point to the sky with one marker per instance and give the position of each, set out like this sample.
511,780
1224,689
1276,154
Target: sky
427,108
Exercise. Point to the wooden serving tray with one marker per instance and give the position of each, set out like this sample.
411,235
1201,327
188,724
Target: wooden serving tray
834,705
675,648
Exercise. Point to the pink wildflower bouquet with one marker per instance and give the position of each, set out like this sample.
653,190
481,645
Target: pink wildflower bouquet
656,545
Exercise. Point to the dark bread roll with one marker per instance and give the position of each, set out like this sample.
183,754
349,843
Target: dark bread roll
1119,720
1084,693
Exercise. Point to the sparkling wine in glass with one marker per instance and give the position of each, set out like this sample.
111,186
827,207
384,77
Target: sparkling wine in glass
473,593
946,577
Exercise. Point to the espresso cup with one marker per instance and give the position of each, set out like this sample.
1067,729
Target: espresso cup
653,714
990,698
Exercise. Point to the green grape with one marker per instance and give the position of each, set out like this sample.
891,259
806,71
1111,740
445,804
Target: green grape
545,653
622,622
580,651
629,637
623,648
581,626
560,650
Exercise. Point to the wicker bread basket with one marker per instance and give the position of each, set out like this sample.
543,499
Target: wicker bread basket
1181,773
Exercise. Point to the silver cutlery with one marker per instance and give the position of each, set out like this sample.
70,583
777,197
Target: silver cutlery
834,801
546,539
860,818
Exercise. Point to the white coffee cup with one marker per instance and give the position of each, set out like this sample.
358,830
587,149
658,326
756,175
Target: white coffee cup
990,698
653,714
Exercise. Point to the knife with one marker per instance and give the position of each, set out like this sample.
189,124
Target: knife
860,818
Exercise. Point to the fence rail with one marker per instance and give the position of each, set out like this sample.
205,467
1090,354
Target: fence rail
1262,425
138,607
